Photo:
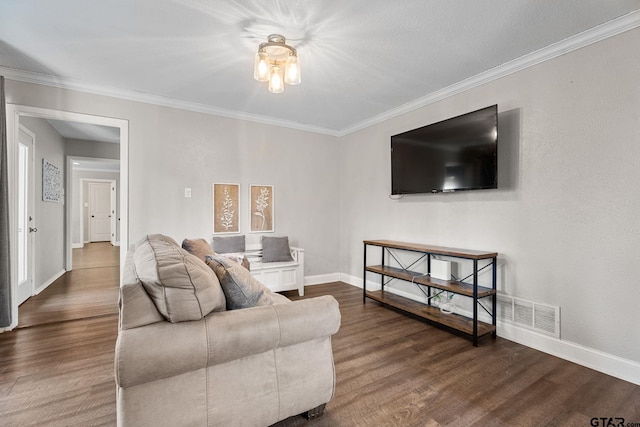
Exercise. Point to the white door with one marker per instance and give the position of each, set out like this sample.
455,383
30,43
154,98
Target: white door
26,226
99,211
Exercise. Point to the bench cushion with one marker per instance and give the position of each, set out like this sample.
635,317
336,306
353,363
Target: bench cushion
230,244
276,249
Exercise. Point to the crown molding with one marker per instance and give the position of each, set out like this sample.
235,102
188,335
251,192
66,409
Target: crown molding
593,35
586,38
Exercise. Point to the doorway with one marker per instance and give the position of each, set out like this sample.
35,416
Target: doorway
14,112
85,170
98,222
99,211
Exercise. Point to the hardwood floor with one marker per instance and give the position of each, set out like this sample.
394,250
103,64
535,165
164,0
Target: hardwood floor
392,370
59,374
96,255
57,367
90,289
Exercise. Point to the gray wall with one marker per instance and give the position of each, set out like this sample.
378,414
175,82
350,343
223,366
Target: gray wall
565,216
48,216
170,149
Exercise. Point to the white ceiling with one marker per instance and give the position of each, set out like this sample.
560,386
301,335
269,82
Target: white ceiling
362,60
86,131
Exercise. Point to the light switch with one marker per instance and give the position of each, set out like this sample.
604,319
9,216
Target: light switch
187,192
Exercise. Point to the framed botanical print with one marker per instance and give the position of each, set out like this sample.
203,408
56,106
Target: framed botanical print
261,204
51,182
226,207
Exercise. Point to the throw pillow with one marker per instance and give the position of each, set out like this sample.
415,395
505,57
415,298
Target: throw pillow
181,286
241,289
224,245
237,257
276,249
198,247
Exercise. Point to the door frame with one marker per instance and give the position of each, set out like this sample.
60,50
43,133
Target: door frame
112,223
31,253
14,112
70,188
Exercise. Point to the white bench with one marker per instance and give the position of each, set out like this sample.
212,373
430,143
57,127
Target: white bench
277,276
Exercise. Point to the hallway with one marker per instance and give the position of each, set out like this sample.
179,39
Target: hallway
89,290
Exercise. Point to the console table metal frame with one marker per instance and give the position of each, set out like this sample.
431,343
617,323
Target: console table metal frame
471,327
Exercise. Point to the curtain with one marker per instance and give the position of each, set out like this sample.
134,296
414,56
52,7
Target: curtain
5,263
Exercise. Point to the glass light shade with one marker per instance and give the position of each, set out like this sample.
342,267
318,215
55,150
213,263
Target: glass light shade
292,71
276,81
261,68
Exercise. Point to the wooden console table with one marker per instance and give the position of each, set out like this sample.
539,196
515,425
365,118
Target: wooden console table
469,326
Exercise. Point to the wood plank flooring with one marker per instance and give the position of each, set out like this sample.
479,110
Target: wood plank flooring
392,370
90,289
96,255
57,368
59,374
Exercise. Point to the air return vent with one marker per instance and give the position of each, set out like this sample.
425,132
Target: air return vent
538,317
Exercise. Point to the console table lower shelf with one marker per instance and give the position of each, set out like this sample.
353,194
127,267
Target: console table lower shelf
430,313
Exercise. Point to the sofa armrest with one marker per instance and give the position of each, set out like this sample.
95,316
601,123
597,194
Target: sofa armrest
163,349
159,350
241,333
305,320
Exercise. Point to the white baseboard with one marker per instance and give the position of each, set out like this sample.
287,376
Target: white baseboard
116,244
46,284
321,278
609,364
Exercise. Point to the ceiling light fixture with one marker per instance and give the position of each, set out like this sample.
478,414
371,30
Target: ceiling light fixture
277,63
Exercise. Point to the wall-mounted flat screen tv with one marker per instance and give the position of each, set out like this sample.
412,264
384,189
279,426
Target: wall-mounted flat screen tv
460,153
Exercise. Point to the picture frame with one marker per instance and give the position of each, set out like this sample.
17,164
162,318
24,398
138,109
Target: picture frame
261,208
51,182
226,208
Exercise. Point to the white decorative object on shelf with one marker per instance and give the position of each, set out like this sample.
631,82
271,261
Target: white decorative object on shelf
445,302
441,269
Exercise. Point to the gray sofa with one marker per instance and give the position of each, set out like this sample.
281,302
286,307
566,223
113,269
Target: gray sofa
184,359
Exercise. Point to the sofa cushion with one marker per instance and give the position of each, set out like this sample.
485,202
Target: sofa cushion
230,244
276,249
198,247
181,286
241,289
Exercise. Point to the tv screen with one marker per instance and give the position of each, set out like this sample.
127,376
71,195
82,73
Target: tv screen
452,155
